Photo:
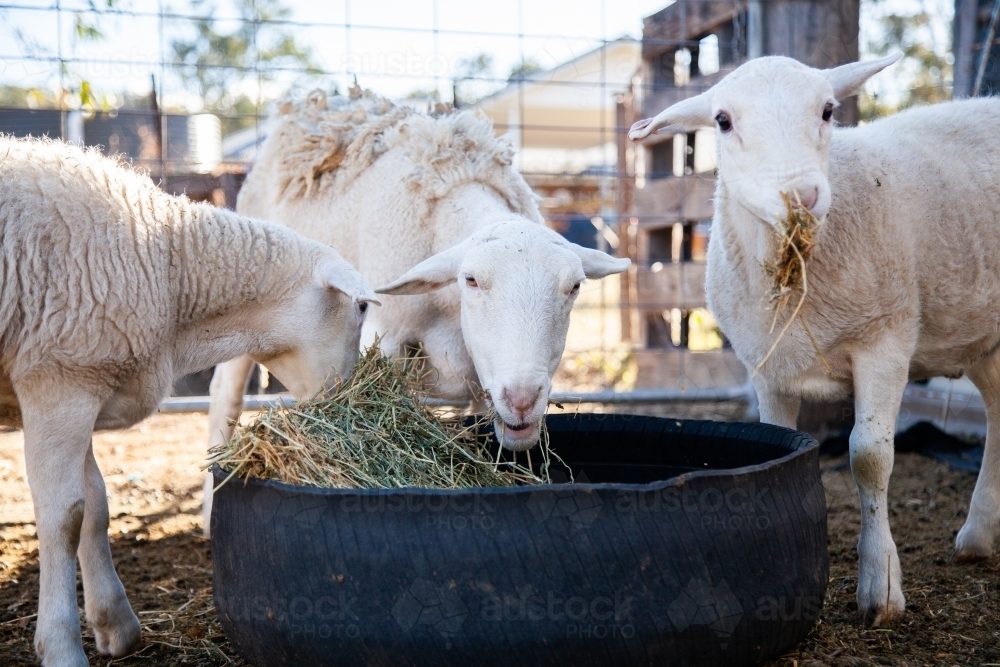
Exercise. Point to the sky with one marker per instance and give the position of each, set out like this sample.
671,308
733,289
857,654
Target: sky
391,44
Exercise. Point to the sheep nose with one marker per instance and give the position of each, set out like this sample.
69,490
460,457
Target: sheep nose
808,197
521,399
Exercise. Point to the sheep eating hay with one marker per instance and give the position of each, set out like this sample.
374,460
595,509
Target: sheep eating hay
788,272
904,277
430,207
373,431
109,290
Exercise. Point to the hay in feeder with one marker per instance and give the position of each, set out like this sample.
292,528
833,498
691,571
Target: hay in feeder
372,431
788,272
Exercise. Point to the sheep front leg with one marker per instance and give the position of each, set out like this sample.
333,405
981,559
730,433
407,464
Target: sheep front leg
57,432
982,526
229,383
880,375
777,409
115,626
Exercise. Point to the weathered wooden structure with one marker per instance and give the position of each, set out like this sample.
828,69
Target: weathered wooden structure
972,19
669,181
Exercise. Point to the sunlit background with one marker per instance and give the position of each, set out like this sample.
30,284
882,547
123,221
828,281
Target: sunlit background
563,78
397,48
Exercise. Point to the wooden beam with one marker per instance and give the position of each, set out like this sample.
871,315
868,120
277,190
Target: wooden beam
684,21
675,199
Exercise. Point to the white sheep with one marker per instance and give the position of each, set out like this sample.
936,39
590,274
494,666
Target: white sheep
109,290
391,188
903,283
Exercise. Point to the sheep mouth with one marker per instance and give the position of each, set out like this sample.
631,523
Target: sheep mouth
517,437
517,429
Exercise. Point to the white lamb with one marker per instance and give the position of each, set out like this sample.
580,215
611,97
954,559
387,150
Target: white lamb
904,281
423,201
109,290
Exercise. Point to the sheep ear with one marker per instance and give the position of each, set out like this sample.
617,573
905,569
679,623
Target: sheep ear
848,79
686,116
339,275
431,274
597,264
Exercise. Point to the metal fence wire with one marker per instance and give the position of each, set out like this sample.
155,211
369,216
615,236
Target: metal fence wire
123,74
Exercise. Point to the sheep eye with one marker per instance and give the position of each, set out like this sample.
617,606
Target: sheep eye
827,112
363,307
724,123
471,282
576,287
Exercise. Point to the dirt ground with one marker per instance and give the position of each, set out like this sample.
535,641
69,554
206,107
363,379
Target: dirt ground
154,489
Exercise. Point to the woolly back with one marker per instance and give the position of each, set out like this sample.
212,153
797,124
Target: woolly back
319,147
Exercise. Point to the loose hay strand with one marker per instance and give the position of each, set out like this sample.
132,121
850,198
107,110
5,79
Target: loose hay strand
798,308
788,272
370,431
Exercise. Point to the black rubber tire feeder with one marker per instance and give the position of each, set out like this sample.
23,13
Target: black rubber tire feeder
682,543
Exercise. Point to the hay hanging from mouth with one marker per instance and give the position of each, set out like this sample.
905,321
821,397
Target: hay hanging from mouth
372,431
788,272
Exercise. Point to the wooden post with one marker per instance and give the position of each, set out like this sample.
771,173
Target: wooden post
964,47
819,33
625,116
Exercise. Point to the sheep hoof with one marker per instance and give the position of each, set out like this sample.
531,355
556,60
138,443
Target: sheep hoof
880,595
971,552
972,546
120,635
881,617
969,557
60,652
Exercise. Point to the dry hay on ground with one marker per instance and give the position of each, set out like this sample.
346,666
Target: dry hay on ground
953,611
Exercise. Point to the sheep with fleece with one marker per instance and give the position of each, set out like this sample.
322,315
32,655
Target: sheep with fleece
425,201
903,281
109,290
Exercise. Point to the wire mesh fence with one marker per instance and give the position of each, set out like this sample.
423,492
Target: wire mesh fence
186,93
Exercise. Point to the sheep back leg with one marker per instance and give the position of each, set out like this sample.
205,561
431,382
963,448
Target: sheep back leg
229,383
116,628
880,376
976,539
58,425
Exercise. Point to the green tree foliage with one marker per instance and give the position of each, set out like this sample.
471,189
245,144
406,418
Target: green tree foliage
523,70
923,35
78,93
475,66
473,79
215,63
87,25
31,98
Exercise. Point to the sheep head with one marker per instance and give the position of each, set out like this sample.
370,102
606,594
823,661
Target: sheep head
773,120
321,325
518,281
